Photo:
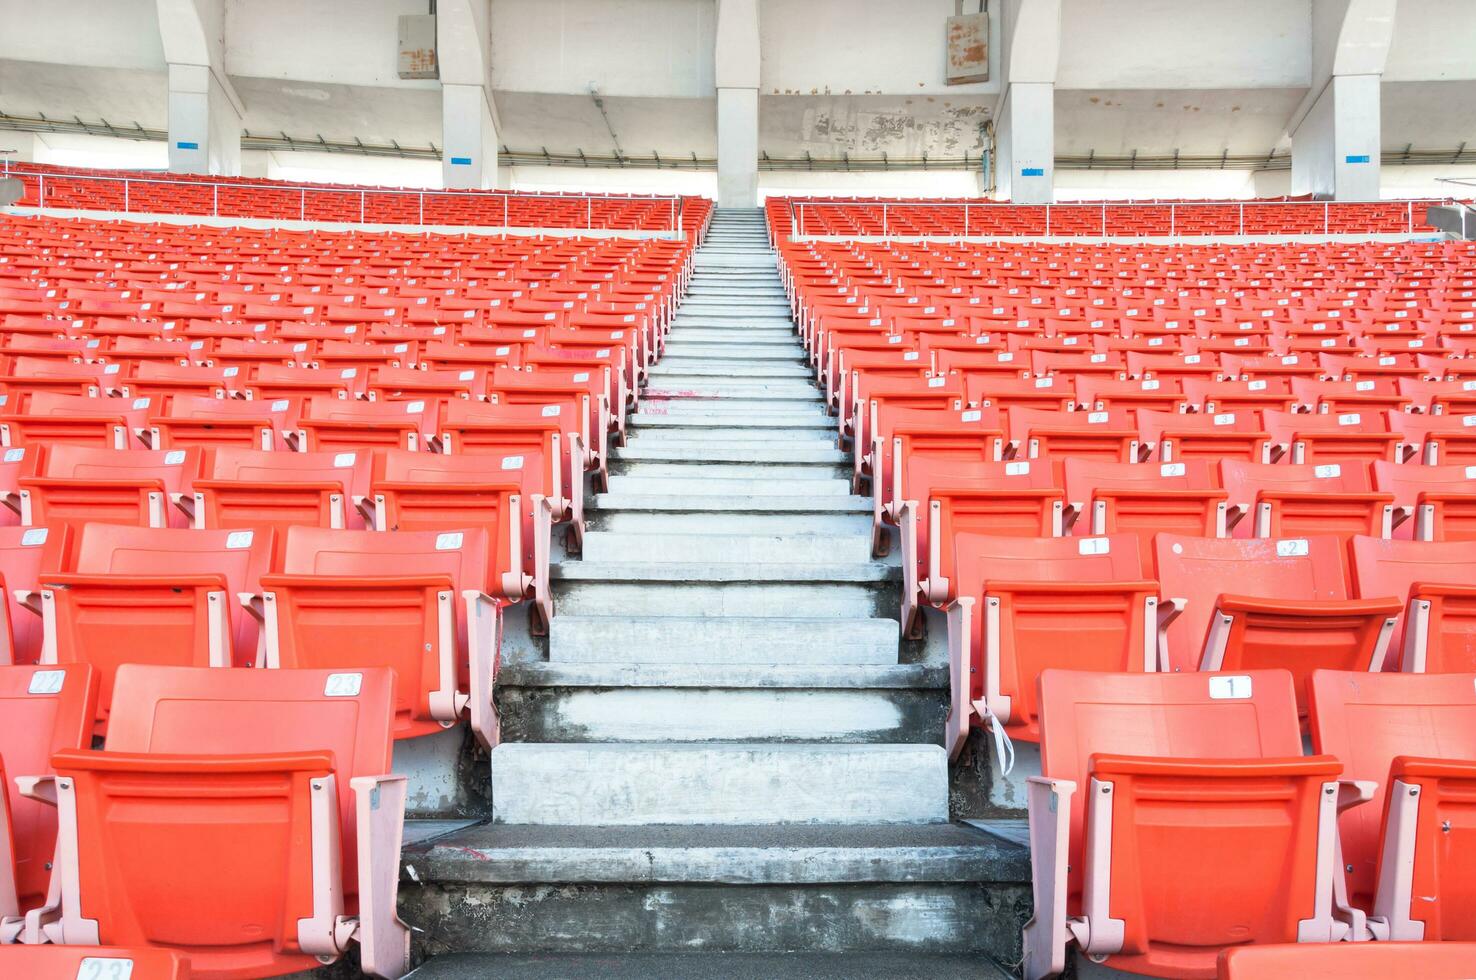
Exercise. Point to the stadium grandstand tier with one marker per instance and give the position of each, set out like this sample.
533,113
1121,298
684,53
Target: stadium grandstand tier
84,189
858,217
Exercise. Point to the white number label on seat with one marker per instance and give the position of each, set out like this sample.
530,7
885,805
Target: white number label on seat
174,457
239,539
1327,471
1171,469
1017,468
34,536
512,462
550,411
971,416
105,968
47,682
1234,686
1292,548
1094,546
343,685
448,541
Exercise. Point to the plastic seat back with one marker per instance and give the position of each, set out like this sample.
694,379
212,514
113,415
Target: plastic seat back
249,488
1348,961
80,484
345,600
1268,602
1410,851
161,596
1435,583
27,554
42,710
1145,498
1176,816
1026,605
233,783
1440,499
1288,500
1107,435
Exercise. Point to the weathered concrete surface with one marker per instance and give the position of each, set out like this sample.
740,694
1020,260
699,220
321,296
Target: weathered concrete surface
703,714
917,917
721,639
676,783
870,965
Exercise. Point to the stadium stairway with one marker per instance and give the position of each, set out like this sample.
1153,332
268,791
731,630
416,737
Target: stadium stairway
723,751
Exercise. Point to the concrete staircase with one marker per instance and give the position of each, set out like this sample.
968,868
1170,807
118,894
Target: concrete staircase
723,747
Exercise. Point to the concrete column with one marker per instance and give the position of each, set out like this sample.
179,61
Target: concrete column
469,121
736,71
1025,114
204,110
1336,132
23,145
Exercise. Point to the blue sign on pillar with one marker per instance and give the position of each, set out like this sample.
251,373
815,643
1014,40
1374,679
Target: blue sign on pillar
1032,171
461,161
186,145
1356,158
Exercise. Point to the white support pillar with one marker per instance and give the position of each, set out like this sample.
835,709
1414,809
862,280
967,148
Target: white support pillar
1336,132
469,120
204,110
1025,114
736,71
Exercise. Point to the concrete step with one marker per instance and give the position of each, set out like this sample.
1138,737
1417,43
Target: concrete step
695,386
739,408
640,900
629,521
680,546
688,438
768,504
666,593
867,965
646,416
721,640
726,572
729,486
924,676
766,453
750,335
694,367
741,354
617,785
694,469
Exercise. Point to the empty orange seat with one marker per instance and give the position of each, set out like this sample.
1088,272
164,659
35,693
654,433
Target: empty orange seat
27,554
1441,499
243,817
1436,439
154,596
1435,582
1349,961
1327,438
53,417
415,601
1175,816
196,420
1145,498
1106,435
434,492
1288,500
1409,740
42,710
1175,436
1029,604
1268,602
249,488
337,425
79,484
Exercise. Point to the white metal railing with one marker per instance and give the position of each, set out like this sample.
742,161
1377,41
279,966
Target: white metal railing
360,194
975,212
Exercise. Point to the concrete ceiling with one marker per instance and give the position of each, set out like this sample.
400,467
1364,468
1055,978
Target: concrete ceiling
1157,122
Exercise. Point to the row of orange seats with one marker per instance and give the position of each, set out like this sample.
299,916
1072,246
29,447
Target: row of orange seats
1177,822
257,197
855,217
240,823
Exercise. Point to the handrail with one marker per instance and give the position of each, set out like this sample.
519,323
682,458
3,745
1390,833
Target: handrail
1176,210
674,202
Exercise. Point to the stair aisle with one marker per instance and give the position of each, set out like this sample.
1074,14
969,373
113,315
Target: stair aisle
723,746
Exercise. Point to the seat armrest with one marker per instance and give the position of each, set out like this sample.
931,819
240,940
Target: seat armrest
1047,933
1309,607
384,941
484,642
